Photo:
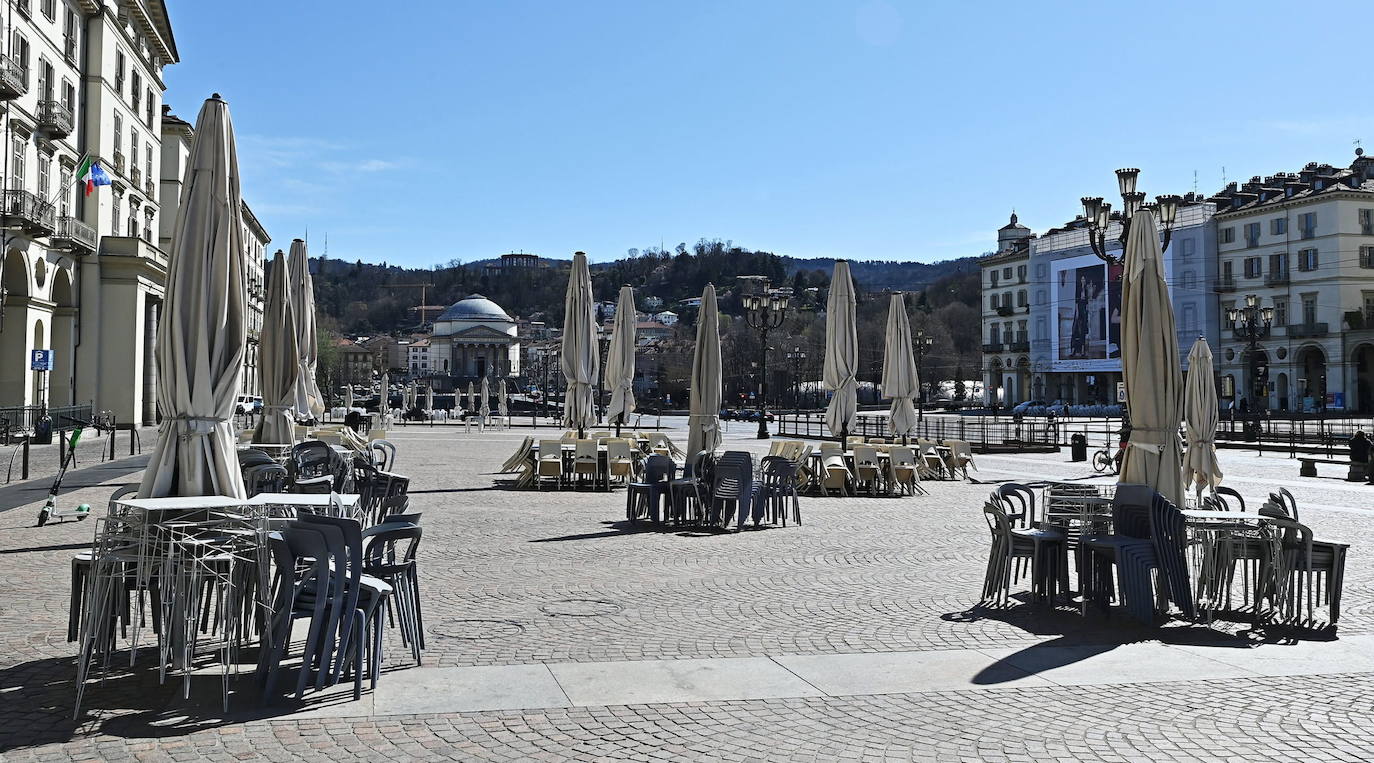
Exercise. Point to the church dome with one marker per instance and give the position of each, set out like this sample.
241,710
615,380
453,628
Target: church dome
474,307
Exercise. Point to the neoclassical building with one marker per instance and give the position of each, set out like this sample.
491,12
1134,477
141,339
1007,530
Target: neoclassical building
474,337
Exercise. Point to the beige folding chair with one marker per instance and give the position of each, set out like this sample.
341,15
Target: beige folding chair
866,471
585,461
803,460
854,439
877,441
620,461
775,448
932,464
960,457
903,469
518,458
550,464
834,473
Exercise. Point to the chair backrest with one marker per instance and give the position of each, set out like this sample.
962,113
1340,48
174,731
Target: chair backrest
1290,503
391,548
699,465
122,492
550,450
960,449
1131,510
659,468
865,457
902,457
265,478
1230,495
254,457
599,435
412,518
852,439
779,471
776,447
618,451
877,441
829,448
1022,497
1169,532
999,524
585,452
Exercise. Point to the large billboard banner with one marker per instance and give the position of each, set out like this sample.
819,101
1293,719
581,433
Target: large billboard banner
1086,331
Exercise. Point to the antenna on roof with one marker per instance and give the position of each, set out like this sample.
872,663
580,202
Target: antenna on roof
1194,181
1223,176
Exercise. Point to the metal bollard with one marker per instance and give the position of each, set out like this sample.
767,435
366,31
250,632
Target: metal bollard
24,471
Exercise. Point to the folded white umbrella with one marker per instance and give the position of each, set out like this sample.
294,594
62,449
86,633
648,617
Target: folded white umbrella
703,423
348,397
486,398
309,401
579,360
841,352
429,398
202,337
899,369
1200,467
620,360
501,406
472,399
1149,365
280,358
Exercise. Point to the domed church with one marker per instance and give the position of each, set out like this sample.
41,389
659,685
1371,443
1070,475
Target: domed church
474,337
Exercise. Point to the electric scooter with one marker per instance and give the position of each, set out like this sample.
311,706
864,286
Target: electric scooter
50,509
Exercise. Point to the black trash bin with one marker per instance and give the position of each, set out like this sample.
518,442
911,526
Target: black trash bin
1078,447
42,431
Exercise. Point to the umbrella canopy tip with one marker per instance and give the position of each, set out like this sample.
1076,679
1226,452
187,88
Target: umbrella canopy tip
215,97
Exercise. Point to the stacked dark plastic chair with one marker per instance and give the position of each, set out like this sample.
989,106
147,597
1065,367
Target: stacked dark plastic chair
1169,531
1309,572
390,556
778,485
732,486
1130,551
688,492
1012,547
644,498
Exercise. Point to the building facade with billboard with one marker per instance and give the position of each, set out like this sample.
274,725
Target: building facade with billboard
1075,311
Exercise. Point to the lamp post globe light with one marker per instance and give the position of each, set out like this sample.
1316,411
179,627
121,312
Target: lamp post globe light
1251,323
1099,214
797,356
764,312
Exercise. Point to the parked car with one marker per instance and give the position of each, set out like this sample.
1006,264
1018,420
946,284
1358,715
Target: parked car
246,404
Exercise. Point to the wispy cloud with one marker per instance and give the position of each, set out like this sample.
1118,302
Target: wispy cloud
361,165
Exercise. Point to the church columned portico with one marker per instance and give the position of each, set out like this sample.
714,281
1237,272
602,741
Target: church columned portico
472,339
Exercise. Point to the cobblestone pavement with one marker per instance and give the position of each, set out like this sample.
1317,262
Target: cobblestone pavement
522,577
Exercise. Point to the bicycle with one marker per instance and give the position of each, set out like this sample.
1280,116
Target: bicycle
1105,460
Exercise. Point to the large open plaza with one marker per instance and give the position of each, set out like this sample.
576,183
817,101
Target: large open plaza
558,631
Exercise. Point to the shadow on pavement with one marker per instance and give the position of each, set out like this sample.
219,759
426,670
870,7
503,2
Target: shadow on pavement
24,493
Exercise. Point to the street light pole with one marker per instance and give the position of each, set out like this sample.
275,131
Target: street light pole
764,312
923,344
797,355
1100,216
1251,323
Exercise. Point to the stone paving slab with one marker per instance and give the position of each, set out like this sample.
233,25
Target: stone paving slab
634,683
461,690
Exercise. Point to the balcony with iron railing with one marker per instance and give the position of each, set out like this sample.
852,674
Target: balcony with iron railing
1277,279
14,79
1006,310
119,161
55,118
1307,330
136,176
150,187
992,347
1224,284
138,251
33,214
73,234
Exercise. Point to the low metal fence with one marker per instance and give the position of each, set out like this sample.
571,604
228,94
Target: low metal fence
978,431
18,420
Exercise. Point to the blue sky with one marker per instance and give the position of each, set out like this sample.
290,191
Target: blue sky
421,132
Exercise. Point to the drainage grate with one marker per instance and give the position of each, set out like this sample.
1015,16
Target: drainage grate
580,608
477,630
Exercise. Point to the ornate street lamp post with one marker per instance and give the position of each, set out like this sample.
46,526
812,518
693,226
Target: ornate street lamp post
923,344
764,313
1251,324
797,355
1100,216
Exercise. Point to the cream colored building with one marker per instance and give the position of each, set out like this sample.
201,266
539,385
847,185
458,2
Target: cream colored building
1301,243
176,137
1005,313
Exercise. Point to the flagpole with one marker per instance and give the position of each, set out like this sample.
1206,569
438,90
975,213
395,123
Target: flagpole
49,202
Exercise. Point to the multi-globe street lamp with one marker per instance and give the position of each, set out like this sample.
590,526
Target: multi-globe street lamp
1100,216
764,312
1251,323
797,356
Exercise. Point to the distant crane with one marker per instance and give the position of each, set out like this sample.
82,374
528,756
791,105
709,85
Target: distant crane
424,289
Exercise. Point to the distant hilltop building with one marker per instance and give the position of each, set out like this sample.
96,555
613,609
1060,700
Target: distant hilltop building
515,261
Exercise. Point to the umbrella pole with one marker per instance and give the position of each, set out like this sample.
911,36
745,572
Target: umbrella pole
618,420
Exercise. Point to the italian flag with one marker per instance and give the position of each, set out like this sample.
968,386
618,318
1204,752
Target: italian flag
91,174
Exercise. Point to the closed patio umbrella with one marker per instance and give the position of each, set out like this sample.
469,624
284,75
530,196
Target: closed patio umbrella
579,360
309,401
1200,467
620,360
703,423
281,367
202,337
1149,365
502,407
899,369
348,398
429,399
486,398
841,353
472,399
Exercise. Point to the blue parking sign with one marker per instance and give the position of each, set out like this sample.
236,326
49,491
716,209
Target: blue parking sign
41,360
